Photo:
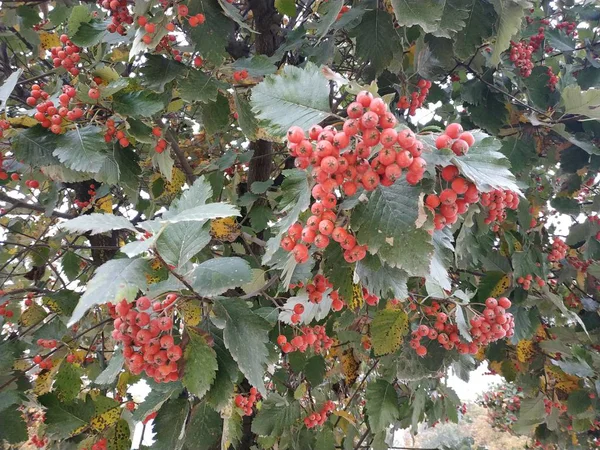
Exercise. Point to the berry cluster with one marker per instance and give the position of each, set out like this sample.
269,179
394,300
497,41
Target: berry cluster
84,204
581,266
496,203
525,282
120,15
536,40
370,299
520,55
455,139
314,337
559,250
494,323
4,125
31,184
5,312
42,363
39,441
66,56
194,21
319,418
48,115
317,288
149,28
549,404
240,75
112,133
161,143
247,402
552,79
369,124
569,27
47,343
165,43
417,98
145,331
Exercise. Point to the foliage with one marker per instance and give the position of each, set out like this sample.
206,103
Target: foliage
161,222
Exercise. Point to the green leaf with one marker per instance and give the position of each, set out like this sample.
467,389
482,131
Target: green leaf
202,213
138,104
520,152
215,115
246,120
537,88
70,264
585,103
295,97
381,279
217,275
234,14
195,196
453,18
376,39
212,37
294,199
480,20
89,34
257,65
443,257
34,146
157,71
198,86
159,393
387,225
113,281
338,271
328,12
245,335
424,13
97,223
204,428
169,425
524,264
79,14
276,416
314,370
511,13
82,149
200,365
388,328
14,428
578,402
68,382
287,7
532,413
62,419
382,405
109,375
325,440
179,242
8,86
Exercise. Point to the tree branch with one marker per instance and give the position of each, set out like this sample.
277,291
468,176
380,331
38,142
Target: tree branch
32,207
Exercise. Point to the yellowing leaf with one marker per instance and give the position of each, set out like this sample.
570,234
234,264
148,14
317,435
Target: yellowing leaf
120,439
525,350
501,286
21,364
48,40
388,329
32,315
345,415
350,366
192,312
104,204
23,121
105,419
357,300
226,229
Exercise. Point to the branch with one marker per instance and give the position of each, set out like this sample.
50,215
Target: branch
180,278
189,172
32,207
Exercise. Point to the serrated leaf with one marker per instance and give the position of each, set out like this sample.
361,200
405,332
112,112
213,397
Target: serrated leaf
157,71
202,213
204,428
110,374
245,335
388,328
179,242
376,39
14,428
453,18
382,280
82,149
212,37
200,365
462,323
257,65
8,86
64,419
159,393
338,271
113,281
196,195
585,103
97,223
531,413
314,370
443,257
198,86
169,425
387,225
276,416
233,13
424,13
67,382
79,14
32,315
89,34
165,164
246,119
329,12
294,97
511,13
217,275
382,405
481,19
34,146
137,104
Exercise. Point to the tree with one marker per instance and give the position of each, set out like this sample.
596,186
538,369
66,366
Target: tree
291,219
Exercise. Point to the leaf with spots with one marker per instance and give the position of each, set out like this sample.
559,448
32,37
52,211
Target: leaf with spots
200,365
388,328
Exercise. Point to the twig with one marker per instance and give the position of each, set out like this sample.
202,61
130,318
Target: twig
32,207
189,172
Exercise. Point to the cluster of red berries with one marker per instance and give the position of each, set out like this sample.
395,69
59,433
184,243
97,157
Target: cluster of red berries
39,441
455,139
494,323
165,44
112,133
496,203
31,184
417,98
145,331
84,204
66,55
120,15
520,55
149,28
317,288
4,125
43,363
569,27
247,402
48,115
578,264
319,418
536,40
314,337
525,282
5,312
240,75
99,445
549,404
47,343
447,206
552,79
194,21
161,143
370,299
559,250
